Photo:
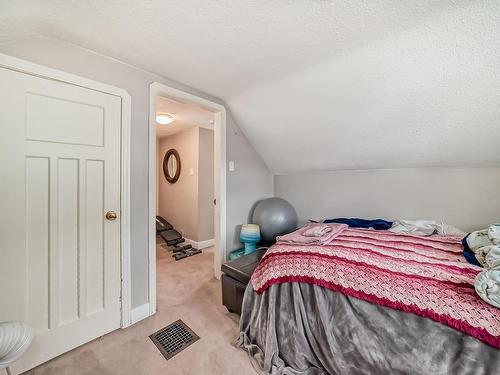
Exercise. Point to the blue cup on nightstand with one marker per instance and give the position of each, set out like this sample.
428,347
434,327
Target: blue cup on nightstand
250,236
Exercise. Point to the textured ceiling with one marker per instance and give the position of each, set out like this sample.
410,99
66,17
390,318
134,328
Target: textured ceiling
315,85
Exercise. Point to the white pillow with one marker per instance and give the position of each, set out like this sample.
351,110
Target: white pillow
494,233
424,228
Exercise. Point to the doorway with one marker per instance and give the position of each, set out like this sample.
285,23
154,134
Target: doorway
184,179
188,117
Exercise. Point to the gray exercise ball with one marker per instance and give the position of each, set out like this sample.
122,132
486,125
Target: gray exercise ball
275,217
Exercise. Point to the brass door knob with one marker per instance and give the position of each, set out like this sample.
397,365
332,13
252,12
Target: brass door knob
111,215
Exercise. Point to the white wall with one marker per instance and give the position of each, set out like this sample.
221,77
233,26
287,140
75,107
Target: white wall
248,183
74,59
206,185
468,198
159,168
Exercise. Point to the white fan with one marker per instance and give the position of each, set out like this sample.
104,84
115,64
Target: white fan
15,338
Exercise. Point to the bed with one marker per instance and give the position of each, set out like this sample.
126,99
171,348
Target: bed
369,302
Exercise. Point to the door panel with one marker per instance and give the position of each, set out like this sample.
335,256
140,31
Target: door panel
37,240
94,206
87,121
60,173
67,224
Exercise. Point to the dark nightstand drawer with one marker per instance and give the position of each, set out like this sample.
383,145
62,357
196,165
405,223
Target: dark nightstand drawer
232,293
235,277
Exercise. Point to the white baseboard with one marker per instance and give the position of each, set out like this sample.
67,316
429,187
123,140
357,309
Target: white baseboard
200,245
205,244
140,312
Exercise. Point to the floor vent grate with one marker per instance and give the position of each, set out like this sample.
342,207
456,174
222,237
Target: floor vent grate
173,338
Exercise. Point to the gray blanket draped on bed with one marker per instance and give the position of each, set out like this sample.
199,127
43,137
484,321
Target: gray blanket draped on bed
296,328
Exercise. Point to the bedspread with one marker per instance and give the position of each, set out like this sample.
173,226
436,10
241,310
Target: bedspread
304,329
427,276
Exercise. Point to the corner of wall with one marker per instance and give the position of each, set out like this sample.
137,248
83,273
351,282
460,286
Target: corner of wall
251,181
238,131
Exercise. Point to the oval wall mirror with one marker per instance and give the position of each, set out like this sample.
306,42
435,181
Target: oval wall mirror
172,166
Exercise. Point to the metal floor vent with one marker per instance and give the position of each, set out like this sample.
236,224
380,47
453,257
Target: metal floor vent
173,338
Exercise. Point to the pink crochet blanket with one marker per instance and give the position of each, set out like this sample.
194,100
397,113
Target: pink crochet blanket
299,238
427,276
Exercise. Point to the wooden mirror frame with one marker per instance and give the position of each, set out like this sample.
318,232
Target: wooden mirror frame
169,178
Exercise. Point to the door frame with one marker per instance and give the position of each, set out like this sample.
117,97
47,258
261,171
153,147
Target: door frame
159,89
27,67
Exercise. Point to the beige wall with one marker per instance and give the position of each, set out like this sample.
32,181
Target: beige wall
179,201
188,203
468,198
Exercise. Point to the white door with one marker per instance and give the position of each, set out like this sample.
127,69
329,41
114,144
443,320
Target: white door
59,175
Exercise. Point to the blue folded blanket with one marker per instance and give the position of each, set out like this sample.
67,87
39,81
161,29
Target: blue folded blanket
377,224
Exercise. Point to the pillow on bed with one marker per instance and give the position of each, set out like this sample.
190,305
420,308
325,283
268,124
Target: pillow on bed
377,224
424,228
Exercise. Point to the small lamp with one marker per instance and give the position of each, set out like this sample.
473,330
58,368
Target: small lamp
250,235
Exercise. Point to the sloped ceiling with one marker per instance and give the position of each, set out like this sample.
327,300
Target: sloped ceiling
314,84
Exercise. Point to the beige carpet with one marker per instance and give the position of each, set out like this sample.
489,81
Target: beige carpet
186,290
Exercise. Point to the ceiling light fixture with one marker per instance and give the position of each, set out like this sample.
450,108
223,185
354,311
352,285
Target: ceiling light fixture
163,118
